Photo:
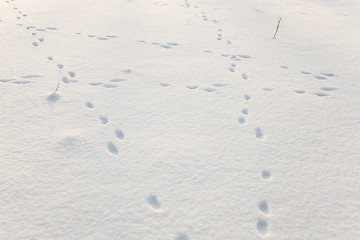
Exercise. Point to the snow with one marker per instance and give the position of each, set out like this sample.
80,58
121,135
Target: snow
179,119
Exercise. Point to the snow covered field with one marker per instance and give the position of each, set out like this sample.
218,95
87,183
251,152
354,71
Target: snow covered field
179,119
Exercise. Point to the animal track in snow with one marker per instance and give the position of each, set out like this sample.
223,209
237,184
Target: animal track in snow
71,74
109,85
192,87
268,89
104,120
244,76
328,74
320,77
164,84
153,202
258,133
219,84
172,44
263,207
89,105
112,148
7,80
244,56
266,175
241,120
285,67
181,236
306,73
299,91
32,76
209,89
231,69
328,89
119,134
35,44
95,83
321,94
228,42
21,82
50,58
40,39
165,46
247,97
262,226
51,28
245,111
103,38
60,66
117,80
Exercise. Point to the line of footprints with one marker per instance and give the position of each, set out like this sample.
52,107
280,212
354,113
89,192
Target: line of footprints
262,224
111,147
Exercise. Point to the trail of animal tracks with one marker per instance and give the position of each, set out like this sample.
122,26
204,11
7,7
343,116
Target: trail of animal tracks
179,119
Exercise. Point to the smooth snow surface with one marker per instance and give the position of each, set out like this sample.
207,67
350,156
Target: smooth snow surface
179,120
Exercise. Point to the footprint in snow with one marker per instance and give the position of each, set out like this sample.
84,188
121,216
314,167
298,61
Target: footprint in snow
320,77
209,89
258,133
117,80
109,85
95,84
299,91
153,202
32,76
262,226
89,105
328,74
321,94
119,134
266,175
112,148
71,74
241,120
219,84
7,80
263,207
192,87
21,82
328,89
104,120
181,236
268,89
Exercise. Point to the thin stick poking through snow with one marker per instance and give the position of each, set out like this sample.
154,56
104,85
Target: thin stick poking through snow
277,28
